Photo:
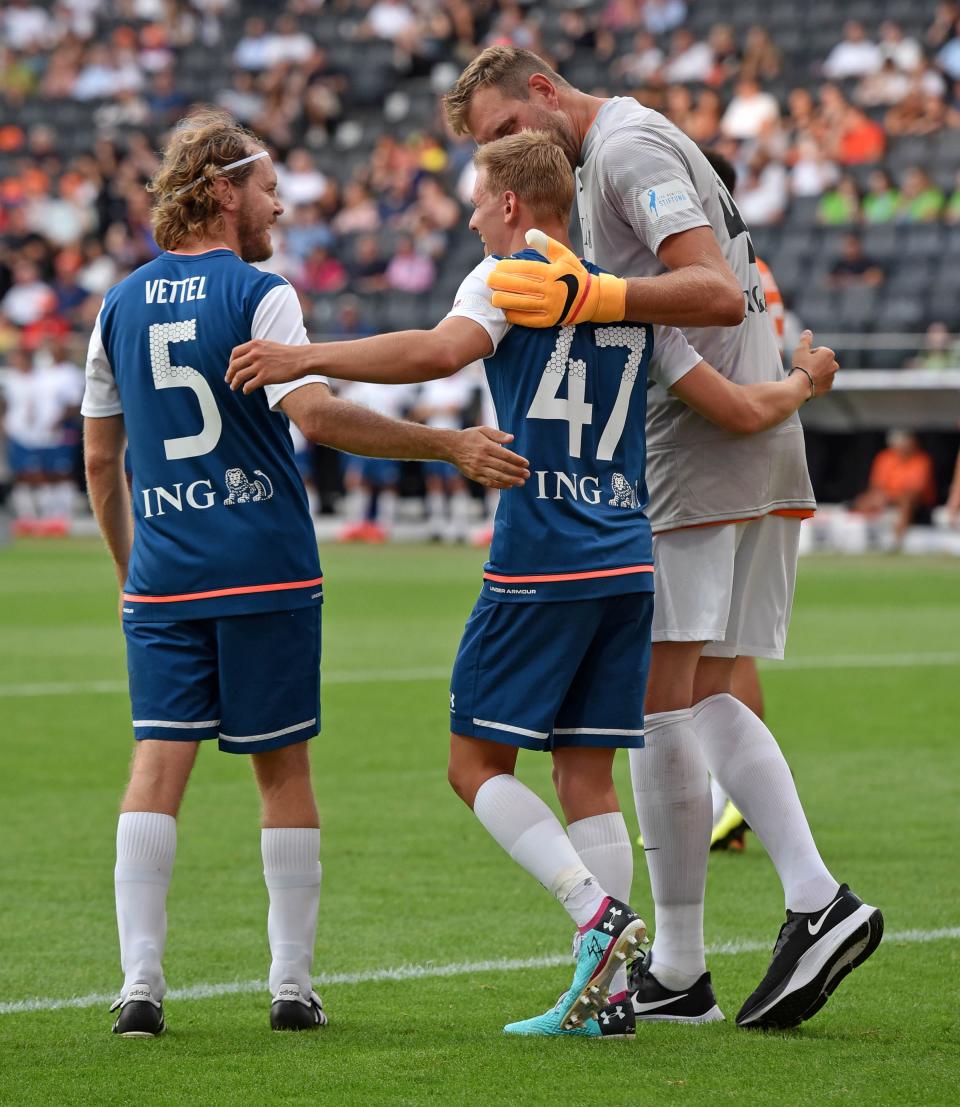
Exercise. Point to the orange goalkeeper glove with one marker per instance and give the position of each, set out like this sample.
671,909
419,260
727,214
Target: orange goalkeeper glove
562,292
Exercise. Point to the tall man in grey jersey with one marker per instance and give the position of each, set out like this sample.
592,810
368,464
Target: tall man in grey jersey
726,512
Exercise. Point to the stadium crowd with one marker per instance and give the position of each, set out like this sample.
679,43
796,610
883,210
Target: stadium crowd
848,165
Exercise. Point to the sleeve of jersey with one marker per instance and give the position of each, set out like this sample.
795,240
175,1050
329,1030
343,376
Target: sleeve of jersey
101,397
473,301
649,183
278,318
673,356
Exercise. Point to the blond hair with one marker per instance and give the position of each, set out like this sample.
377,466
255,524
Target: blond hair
185,203
507,68
533,166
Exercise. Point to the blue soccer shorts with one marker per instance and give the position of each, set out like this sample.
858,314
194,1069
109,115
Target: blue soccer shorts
380,472
250,681
543,676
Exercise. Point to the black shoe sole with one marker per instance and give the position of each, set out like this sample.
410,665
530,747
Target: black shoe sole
292,1015
798,1006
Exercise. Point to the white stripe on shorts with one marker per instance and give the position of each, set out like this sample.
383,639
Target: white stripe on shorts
272,734
176,726
598,730
539,735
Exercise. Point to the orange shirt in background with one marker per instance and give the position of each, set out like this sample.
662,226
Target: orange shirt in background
895,474
774,301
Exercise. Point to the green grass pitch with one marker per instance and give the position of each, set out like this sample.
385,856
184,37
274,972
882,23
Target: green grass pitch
866,708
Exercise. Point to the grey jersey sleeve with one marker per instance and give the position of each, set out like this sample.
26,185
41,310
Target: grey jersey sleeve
673,356
648,181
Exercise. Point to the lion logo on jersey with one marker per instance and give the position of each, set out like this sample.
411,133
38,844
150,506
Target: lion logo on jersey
623,493
240,490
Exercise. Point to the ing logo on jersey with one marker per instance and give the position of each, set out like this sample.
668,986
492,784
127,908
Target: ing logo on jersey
240,490
623,492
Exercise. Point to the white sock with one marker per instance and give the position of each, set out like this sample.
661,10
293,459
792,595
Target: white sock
718,797
24,502
459,515
530,832
603,843
146,847
436,510
46,500
291,870
355,505
386,508
671,788
744,757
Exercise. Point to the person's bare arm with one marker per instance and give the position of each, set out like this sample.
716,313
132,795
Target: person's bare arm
103,444
953,497
478,452
700,289
404,357
750,408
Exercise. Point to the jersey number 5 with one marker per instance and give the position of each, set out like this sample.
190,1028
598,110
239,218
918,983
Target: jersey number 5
574,410
165,375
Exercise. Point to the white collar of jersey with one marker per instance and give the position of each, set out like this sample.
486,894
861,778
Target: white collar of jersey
224,168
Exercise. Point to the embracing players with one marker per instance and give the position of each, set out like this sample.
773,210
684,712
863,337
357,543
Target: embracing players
221,585
565,612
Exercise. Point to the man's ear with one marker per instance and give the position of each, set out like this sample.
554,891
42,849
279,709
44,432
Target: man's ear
543,89
511,208
227,196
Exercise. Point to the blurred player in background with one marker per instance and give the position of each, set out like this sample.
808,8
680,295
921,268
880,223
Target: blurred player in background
726,511
442,403
221,585
564,612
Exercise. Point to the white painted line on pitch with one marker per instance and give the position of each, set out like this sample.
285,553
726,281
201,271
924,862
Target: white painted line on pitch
409,676
420,972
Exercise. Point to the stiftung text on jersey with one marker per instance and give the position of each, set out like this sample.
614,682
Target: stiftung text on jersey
163,291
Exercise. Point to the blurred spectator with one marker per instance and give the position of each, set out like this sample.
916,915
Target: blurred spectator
25,26
762,60
29,298
323,274
882,199
918,113
939,350
368,270
888,85
901,480
242,99
853,268
840,207
642,62
905,53
689,61
391,19
662,16
359,212
253,49
862,141
951,213
750,111
300,182
409,270
854,56
948,57
813,173
920,199
725,52
304,230
762,195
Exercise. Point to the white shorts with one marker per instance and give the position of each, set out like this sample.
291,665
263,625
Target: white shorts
730,586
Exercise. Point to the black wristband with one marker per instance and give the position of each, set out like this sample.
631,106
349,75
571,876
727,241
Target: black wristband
813,387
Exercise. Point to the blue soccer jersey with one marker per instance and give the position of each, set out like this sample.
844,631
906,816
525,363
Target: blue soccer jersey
575,400
221,522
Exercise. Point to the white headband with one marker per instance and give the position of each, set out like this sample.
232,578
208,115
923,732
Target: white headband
223,169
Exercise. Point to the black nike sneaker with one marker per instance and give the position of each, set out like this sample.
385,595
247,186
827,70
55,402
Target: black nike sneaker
141,1016
292,1010
647,1000
814,952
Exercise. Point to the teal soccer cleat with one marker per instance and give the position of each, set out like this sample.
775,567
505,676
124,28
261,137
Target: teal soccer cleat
548,1025
610,939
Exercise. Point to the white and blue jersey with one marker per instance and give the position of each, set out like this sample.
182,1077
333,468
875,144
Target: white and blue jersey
222,525
575,400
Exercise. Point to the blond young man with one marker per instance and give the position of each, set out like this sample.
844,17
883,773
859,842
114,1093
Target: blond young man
220,564
564,613
725,511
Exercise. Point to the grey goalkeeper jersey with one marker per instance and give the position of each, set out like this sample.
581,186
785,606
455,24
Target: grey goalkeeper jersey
640,180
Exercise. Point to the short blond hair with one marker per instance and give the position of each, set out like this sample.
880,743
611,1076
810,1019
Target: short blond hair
507,68
185,204
533,166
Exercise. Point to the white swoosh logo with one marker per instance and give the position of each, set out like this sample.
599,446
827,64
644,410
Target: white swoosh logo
639,1008
816,929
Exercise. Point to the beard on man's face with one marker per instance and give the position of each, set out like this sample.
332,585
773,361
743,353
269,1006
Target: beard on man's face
253,236
557,126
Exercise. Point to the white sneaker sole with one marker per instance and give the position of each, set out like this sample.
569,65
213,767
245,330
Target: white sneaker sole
593,998
713,1015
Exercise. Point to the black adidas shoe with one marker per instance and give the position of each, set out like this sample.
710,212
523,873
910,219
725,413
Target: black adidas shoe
647,1000
141,1016
291,1010
814,952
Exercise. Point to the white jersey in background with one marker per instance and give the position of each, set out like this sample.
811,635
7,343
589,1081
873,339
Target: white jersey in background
36,402
640,180
392,400
449,397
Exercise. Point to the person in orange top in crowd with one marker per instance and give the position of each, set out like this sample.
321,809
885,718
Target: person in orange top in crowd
901,477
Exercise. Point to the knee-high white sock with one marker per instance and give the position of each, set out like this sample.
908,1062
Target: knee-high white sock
603,843
24,502
292,871
146,847
744,756
530,832
459,515
436,512
671,788
718,798
387,508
